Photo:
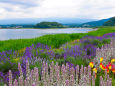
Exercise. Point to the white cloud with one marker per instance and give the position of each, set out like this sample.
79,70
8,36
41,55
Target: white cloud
57,8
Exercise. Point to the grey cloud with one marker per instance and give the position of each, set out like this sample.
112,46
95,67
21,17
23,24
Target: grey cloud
24,3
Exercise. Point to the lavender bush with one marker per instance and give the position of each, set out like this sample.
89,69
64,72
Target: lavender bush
9,59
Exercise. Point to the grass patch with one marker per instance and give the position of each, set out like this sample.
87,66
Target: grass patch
55,41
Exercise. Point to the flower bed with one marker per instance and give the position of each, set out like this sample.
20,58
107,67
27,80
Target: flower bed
79,53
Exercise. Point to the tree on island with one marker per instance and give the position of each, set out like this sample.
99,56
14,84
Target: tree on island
49,25
111,22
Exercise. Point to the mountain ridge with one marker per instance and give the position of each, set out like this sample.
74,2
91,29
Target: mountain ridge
38,20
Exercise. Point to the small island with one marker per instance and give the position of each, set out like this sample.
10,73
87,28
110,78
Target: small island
49,25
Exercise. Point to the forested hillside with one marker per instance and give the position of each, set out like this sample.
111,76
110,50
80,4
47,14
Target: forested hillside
110,22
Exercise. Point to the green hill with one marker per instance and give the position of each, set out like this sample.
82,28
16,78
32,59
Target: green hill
110,22
94,23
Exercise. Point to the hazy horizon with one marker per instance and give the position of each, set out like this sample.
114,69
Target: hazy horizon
83,9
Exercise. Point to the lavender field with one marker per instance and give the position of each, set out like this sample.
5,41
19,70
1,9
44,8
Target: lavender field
89,61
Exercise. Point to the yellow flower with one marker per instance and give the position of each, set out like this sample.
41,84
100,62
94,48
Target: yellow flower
91,64
113,60
95,70
110,67
101,59
102,66
78,40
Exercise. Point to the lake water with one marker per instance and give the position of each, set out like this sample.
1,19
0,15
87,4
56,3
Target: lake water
6,34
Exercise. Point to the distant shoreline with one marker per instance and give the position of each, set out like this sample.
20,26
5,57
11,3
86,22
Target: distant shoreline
53,28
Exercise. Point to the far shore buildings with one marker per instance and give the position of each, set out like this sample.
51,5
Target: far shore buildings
19,27
9,26
86,25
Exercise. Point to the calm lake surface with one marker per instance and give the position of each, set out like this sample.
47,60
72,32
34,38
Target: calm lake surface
6,34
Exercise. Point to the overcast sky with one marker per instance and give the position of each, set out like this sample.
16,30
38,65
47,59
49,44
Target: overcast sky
90,9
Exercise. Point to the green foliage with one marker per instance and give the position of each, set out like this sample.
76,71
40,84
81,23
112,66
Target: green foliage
97,80
5,67
2,84
106,41
113,82
49,25
95,42
77,61
60,61
110,22
36,64
76,35
101,43
43,55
